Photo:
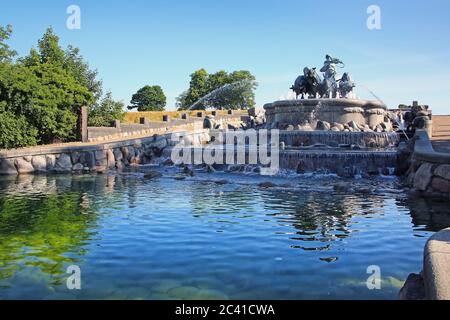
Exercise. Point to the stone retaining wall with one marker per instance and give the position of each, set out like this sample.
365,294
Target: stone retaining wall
429,173
89,158
124,130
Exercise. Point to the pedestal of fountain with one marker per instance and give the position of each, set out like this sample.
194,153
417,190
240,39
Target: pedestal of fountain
298,112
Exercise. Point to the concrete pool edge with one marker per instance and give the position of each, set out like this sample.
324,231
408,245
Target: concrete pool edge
436,266
433,283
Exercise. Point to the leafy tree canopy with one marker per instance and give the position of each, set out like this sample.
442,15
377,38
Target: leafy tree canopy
148,98
6,54
233,90
40,94
104,113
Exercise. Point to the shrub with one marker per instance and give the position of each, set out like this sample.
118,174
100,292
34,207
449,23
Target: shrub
15,132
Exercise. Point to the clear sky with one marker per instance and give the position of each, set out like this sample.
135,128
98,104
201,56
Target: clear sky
134,43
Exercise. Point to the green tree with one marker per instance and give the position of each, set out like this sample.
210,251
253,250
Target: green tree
47,96
148,98
70,60
219,90
49,49
75,64
6,54
15,131
105,112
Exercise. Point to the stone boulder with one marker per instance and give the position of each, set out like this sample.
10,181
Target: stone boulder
340,126
111,159
323,126
23,166
443,171
423,177
7,166
101,158
51,161
78,167
152,175
440,185
413,289
88,159
64,163
353,125
118,154
39,163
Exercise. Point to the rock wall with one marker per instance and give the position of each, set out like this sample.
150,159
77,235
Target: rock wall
88,158
429,171
430,179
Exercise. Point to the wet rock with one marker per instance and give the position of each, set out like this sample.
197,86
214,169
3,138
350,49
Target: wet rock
353,125
330,259
385,172
423,177
119,165
75,156
118,154
413,289
39,163
89,159
78,167
111,159
101,158
282,145
346,172
50,159
443,171
440,184
339,126
168,162
335,129
64,163
23,166
179,177
188,171
342,187
323,126
152,175
7,166
266,185
364,190
125,152
221,182
219,167
100,169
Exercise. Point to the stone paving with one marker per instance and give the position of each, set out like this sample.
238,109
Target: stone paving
441,133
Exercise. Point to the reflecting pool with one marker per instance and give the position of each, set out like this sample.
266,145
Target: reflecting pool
210,236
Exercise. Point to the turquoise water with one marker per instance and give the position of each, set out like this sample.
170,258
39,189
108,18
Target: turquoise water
205,238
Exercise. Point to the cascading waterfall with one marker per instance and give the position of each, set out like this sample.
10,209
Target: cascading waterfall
333,139
339,162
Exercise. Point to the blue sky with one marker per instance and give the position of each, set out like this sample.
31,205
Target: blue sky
134,43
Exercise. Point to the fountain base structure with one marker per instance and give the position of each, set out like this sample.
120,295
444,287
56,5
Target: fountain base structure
282,113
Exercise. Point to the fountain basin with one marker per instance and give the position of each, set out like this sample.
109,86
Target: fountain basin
298,112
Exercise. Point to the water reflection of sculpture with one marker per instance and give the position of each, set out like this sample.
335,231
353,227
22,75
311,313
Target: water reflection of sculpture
320,217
